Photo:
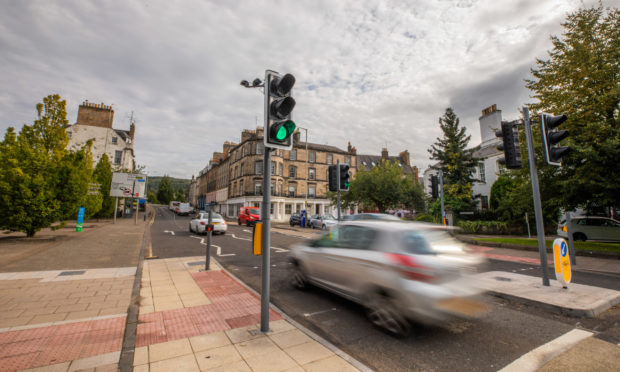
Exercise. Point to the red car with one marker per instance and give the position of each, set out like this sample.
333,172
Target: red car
248,215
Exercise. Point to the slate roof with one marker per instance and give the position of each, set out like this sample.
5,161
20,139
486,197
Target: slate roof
366,162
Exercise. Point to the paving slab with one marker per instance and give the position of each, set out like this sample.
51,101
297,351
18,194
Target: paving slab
576,300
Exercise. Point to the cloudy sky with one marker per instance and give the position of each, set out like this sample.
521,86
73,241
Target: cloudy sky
371,72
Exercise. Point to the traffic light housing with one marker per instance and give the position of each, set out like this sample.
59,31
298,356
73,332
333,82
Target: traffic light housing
333,178
551,138
279,104
345,177
510,145
434,187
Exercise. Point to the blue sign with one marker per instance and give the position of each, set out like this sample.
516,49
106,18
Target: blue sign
80,219
563,249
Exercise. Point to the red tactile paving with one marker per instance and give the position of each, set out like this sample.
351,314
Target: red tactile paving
232,306
43,346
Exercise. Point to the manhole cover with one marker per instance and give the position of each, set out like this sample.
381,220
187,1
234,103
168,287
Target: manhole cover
196,263
77,272
502,279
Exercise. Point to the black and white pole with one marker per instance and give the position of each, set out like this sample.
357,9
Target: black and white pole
338,187
540,228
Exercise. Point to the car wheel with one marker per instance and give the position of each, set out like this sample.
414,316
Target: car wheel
580,236
382,311
239,222
299,279
292,224
323,227
190,227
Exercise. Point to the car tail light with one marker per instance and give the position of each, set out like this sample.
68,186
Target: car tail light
203,223
410,269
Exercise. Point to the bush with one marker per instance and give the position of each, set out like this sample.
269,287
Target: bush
483,227
424,218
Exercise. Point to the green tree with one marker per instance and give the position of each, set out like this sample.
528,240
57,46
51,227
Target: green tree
29,165
103,176
151,197
165,193
580,79
455,160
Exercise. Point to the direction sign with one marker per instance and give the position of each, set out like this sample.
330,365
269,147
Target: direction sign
562,261
127,185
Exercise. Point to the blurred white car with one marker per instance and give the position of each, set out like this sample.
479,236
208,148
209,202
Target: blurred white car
591,228
398,271
198,224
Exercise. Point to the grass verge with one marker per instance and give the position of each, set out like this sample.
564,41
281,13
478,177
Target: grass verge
581,246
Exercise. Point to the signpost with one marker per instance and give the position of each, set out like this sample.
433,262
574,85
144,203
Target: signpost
127,185
80,219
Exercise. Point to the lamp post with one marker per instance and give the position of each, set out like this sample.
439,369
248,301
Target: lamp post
307,159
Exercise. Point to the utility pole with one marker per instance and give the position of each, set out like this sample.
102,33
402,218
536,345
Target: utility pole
443,212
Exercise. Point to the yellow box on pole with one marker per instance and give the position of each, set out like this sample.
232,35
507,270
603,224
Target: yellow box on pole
257,239
561,260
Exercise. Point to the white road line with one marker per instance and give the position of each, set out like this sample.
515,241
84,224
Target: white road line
233,235
279,250
536,358
219,249
319,312
171,232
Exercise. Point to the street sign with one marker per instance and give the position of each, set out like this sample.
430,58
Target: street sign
561,260
123,184
80,219
94,188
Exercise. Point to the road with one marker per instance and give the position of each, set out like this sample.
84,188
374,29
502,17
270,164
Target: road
487,344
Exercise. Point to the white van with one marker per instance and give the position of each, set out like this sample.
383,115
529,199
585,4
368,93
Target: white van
174,205
184,209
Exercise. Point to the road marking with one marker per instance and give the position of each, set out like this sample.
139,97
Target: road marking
279,250
219,249
233,235
246,230
319,312
171,232
536,358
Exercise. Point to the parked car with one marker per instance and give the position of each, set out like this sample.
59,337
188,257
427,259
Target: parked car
323,222
248,215
183,209
398,271
591,228
295,219
198,224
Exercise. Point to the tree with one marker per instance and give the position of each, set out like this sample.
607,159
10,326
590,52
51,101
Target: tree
165,193
455,159
103,176
580,79
29,166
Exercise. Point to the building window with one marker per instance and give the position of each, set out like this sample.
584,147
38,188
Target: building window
484,202
483,177
312,191
114,140
243,151
273,168
287,208
241,188
280,169
118,155
260,148
258,167
272,189
311,173
234,189
258,188
292,189
69,135
312,157
347,160
330,159
298,209
271,209
292,171
242,170
500,168
293,155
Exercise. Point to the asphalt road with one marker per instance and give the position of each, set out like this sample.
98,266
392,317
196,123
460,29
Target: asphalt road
487,344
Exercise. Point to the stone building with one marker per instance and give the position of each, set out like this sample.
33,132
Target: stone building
94,122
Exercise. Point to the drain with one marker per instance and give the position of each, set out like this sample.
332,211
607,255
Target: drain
77,272
196,263
502,279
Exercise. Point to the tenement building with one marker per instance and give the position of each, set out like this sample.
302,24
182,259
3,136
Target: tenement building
94,122
299,177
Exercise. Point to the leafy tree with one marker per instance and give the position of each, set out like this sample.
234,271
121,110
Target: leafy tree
165,193
151,197
103,176
580,79
455,160
75,172
29,165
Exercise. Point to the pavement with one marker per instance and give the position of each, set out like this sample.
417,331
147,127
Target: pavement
62,311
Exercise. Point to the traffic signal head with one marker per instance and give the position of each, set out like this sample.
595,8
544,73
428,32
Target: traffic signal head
278,107
551,138
434,187
510,145
333,178
345,177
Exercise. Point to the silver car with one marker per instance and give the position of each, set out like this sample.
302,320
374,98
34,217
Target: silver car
323,222
591,228
398,271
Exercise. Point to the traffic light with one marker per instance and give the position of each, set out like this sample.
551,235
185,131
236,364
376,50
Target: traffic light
434,187
551,138
510,145
333,178
278,106
344,177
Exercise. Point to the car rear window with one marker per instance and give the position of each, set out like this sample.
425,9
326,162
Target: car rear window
429,242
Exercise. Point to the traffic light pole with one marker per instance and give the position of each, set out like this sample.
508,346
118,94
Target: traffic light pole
338,188
443,212
540,229
265,217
